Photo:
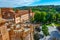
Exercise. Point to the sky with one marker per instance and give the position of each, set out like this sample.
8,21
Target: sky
19,3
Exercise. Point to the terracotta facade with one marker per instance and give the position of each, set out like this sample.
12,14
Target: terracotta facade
22,15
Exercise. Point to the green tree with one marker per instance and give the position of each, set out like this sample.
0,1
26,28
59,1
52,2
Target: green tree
32,20
37,16
40,16
57,17
43,17
45,30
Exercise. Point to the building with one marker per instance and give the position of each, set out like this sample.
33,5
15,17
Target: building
15,32
8,14
12,29
18,15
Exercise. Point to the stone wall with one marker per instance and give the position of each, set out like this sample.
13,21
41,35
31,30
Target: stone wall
4,32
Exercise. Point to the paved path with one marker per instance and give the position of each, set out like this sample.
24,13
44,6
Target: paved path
50,29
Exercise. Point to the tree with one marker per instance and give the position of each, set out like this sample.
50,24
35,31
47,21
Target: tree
37,16
45,30
43,17
32,20
57,17
40,17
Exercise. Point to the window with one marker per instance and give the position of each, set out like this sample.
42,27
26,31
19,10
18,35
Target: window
8,14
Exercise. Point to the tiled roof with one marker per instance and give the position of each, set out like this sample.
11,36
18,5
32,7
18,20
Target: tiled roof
17,12
21,12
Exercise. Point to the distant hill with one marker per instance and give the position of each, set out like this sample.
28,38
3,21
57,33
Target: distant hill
41,8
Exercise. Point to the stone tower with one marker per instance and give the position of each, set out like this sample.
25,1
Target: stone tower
31,14
0,10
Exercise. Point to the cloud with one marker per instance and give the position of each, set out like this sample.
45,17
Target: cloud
15,3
